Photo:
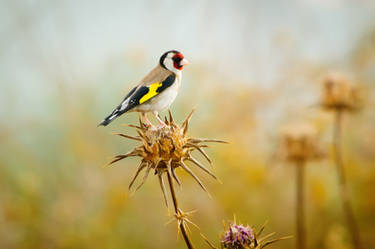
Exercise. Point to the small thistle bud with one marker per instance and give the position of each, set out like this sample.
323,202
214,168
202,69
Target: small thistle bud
238,237
299,142
244,237
339,93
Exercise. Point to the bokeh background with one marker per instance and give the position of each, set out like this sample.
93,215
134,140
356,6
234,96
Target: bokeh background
257,65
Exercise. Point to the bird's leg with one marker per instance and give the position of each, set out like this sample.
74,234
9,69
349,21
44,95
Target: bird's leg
148,123
162,124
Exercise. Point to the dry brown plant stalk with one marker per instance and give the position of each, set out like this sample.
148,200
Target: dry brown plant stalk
339,96
163,150
299,145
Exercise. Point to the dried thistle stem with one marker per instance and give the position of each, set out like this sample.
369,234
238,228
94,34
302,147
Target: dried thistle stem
348,210
163,150
176,210
300,205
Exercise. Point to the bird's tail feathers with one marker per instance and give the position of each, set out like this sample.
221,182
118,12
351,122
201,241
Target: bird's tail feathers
111,117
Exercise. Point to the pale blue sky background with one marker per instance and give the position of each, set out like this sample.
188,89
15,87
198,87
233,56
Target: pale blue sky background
46,44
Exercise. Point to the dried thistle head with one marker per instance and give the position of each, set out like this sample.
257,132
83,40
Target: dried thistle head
340,94
165,149
299,142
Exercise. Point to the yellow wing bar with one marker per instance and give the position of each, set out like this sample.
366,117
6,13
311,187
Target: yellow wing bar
151,92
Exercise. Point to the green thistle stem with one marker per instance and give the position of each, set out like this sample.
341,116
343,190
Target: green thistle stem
175,204
348,210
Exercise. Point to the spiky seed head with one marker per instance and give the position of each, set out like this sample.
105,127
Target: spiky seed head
339,93
299,142
165,149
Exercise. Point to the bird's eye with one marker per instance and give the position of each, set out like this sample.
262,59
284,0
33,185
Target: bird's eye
178,57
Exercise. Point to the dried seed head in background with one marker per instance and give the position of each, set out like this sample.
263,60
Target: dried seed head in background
165,149
340,94
299,142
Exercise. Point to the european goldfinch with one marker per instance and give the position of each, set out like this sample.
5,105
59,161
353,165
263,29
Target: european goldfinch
155,92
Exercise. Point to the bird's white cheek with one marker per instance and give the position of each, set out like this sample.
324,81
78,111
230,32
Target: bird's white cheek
168,62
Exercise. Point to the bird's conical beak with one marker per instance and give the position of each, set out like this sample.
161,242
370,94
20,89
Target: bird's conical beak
184,62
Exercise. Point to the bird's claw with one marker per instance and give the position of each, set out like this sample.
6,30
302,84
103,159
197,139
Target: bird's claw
148,125
162,125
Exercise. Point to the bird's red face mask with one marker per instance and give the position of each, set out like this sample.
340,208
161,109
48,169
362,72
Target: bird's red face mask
179,61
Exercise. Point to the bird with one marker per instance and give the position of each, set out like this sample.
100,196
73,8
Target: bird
155,92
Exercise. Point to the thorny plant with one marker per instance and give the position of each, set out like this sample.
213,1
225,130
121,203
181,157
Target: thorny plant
299,144
164,150
244,237
339,95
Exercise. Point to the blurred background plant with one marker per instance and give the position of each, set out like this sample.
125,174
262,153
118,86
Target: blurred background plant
340,96
299,145
256,64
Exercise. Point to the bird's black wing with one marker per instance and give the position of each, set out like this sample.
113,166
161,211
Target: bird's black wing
139,96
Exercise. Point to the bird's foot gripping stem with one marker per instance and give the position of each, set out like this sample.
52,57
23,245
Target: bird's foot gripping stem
147,122
161,123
